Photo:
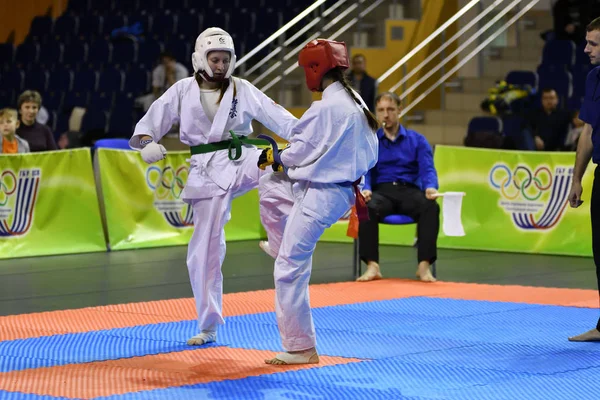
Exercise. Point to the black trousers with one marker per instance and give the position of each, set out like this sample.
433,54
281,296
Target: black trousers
595,214
403,199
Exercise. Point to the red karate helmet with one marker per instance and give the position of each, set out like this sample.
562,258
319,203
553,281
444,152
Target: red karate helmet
320,56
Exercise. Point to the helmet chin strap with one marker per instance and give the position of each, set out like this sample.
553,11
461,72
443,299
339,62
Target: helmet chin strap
207,78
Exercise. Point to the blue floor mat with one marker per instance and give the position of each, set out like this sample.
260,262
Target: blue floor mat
531,388
5,395
259,388
418,348
515,358
79,348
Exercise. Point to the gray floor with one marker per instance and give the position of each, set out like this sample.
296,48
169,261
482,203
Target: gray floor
75,281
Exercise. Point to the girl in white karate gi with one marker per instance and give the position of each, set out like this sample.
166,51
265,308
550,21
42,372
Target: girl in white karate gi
331,148
207,106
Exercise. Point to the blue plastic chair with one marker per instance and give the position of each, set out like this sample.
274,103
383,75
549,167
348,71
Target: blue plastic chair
122,144
394,219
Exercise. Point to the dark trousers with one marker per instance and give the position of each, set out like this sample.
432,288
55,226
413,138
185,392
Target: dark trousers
595,214
402,199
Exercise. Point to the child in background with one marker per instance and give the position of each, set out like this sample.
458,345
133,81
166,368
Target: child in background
10,142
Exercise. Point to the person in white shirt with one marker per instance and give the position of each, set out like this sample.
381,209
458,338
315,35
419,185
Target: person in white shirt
167,73
214,111
331,148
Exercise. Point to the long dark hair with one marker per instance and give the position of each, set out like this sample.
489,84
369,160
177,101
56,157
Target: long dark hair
224,85
337,75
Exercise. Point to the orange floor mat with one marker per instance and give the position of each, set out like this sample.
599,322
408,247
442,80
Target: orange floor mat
127,315
105,378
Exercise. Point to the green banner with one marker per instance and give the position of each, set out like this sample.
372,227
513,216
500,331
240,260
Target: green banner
143,207
48,204
516,201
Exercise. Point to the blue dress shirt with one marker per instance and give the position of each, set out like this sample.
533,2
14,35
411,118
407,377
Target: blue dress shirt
408,158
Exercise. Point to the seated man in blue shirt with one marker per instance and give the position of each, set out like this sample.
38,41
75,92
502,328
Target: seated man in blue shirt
395,186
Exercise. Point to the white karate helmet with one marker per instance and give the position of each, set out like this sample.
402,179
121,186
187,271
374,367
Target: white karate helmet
212,39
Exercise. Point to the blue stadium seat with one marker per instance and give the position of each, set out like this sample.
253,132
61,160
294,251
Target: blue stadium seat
36,79
112,22
574,103
111,80
12,79
137,81
163,24
109,6
124,52
90,26
116,143
144,19
559,52
66,27
580,56
7,98
513,128
76,53
180,48
214,17
85,80
102,101
485,124
121,122
53,99
556,78
75,99
51,54
7,53
99,53
40,28
523,78
27,52
149,51
240,22
78,6
62,124
93,120
579,73
188,24
179,5
124,101
266,22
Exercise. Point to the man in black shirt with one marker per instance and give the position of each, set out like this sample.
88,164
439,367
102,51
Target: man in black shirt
549,125
361,81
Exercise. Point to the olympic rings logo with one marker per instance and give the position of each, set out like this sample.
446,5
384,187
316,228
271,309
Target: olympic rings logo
530,185
8,185
167,181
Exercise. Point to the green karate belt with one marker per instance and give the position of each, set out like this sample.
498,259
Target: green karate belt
235,144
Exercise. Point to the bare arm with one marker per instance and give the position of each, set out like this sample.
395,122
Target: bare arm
584,153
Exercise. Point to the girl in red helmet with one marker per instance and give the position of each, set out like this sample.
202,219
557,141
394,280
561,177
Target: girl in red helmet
331,148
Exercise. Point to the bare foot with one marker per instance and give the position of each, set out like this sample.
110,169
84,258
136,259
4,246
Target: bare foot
202,338
589,336
264,246
424,273
371,274
309,356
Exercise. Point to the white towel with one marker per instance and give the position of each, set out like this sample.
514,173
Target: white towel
452,209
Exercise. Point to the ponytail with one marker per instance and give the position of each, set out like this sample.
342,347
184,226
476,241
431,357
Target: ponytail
338,75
